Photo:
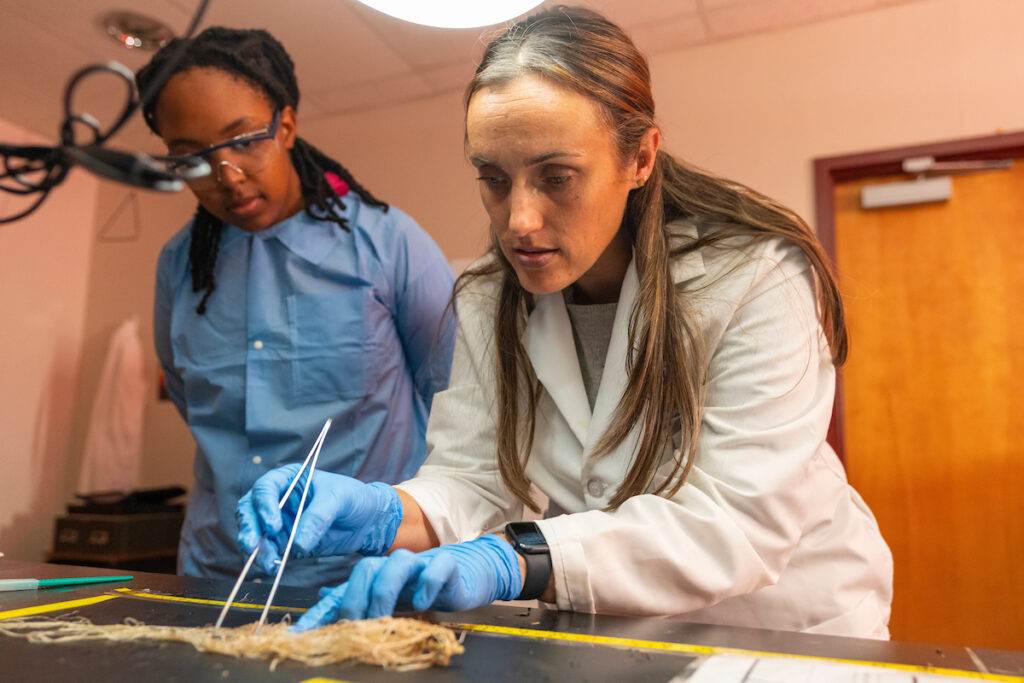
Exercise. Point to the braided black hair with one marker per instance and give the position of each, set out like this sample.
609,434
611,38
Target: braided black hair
258,58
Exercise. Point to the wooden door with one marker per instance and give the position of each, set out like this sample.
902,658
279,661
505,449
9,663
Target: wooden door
932,409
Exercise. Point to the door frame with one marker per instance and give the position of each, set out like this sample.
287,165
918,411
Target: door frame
829,171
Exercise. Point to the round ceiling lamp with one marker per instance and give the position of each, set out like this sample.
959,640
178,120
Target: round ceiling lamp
453,13
135,31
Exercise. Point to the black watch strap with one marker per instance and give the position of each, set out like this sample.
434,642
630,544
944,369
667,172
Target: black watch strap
528,541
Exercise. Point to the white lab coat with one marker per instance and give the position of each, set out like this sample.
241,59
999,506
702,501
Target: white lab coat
766,532
112,456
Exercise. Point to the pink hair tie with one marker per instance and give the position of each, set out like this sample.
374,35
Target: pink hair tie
339,185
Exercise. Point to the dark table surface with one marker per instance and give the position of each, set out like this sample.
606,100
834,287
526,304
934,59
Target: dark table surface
503,643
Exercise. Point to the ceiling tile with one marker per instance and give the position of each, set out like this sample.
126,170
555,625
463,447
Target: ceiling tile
366,95
36,85
450,77
186,6
833,8
75,22
630,14
717,4
311,109
669,34
347,56
423,46
137,136
330,45
765,15
27,108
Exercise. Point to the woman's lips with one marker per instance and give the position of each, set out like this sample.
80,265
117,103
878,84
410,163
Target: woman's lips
245,207
534,258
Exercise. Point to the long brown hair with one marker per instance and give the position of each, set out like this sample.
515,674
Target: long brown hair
580,50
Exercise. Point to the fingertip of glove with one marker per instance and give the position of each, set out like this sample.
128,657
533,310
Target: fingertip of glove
246,543
420,601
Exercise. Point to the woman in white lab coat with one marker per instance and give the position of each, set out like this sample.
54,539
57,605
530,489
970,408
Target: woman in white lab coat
649,348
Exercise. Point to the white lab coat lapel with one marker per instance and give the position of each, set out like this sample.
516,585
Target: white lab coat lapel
549,344
552,351
615,377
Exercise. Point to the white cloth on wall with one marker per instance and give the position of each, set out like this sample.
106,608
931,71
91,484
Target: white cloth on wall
112,456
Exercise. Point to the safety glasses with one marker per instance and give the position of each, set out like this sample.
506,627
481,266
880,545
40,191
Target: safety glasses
247,153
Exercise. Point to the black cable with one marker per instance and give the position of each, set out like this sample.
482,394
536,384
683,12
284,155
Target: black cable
29,170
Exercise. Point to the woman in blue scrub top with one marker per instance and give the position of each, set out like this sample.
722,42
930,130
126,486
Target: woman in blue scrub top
292,296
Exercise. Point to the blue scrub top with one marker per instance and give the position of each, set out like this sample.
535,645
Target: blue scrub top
308,321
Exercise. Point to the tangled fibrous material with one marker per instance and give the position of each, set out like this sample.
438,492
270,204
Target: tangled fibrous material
393,643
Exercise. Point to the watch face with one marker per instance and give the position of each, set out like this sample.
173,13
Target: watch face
531,538
527,537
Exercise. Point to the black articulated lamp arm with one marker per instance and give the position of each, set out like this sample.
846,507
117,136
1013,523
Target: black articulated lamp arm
35,170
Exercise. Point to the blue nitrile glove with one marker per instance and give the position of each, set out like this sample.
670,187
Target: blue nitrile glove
343,515
449,578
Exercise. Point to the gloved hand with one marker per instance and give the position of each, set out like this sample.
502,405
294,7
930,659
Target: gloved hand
343,515
449,578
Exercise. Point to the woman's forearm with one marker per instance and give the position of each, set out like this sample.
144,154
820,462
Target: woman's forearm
415,532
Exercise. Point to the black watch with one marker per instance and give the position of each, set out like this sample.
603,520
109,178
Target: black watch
530,543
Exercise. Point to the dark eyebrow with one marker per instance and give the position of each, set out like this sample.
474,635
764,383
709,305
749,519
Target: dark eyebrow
548,156
224,133
481,160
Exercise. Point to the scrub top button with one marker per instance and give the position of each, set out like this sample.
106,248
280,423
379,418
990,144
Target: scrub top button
257,345
256,460
595,487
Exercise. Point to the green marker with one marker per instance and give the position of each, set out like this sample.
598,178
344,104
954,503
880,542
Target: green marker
33,584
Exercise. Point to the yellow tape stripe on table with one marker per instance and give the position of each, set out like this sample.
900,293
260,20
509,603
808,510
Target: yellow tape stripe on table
708,650
199,601
534,634
54,606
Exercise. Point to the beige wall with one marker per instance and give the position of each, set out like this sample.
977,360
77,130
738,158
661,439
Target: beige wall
412,157
757,109
121,283
44,269
760,109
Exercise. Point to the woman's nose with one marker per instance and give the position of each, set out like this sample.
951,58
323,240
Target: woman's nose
524,212
228,173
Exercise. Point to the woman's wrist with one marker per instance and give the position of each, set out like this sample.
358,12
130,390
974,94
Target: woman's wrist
534,556
549,593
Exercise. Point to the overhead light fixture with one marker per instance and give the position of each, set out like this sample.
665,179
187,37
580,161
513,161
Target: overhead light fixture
135,31
920,191
453,13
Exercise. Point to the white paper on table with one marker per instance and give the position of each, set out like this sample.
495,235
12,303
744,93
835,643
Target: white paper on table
748,669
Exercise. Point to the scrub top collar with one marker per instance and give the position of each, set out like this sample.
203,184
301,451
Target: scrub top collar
307,238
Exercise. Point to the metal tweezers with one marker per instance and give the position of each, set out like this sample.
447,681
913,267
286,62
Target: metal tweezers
310,461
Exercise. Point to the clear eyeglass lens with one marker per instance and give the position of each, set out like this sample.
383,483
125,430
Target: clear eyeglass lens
187,167
247,156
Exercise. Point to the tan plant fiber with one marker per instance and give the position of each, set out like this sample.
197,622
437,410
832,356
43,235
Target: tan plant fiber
393,643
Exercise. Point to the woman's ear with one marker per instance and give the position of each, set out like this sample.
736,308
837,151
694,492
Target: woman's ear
288,125
646,154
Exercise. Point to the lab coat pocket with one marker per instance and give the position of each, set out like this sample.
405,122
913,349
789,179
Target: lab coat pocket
329,341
